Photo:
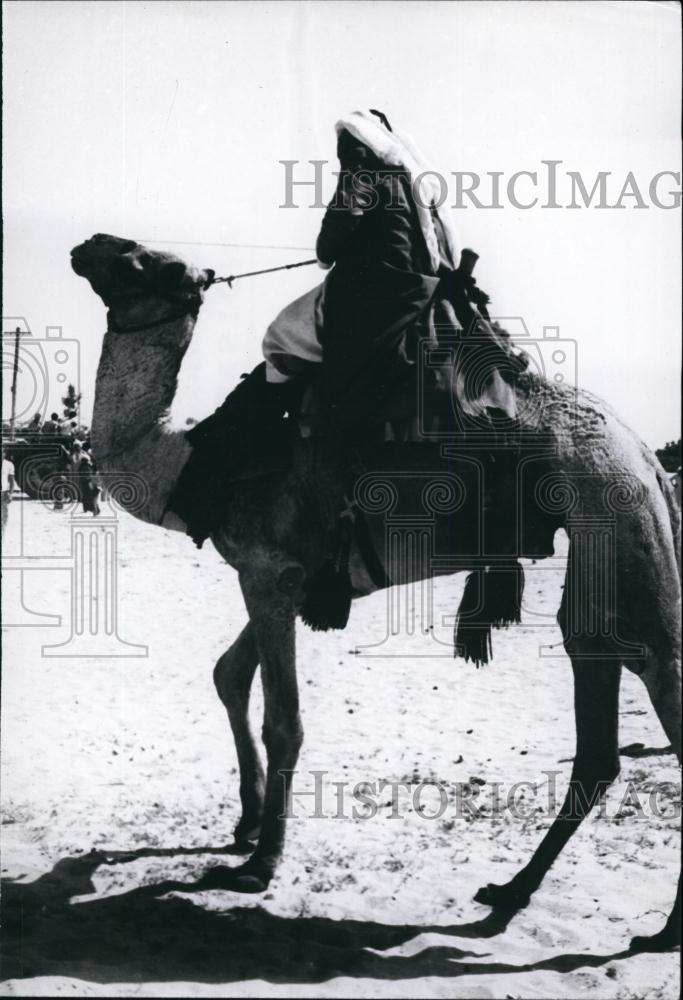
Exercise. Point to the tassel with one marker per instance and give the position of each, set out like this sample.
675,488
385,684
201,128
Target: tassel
503,592
472,633
329,593
492,597
328,599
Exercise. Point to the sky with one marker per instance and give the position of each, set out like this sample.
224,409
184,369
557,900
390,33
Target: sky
166,123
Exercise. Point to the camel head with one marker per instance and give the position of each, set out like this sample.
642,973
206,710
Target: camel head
125,274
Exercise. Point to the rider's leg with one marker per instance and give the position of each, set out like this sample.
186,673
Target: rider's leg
247,429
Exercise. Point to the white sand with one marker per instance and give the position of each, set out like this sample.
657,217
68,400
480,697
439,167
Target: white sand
136,753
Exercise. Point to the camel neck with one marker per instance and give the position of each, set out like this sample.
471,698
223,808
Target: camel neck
136,313
136,383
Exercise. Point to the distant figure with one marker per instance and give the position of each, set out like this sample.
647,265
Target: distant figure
35,424
76,455
63,462
82,474
8,475
53,426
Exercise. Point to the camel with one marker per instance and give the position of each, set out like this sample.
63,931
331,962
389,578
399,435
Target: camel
619,611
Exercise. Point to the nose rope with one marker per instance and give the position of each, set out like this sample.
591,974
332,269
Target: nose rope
250,274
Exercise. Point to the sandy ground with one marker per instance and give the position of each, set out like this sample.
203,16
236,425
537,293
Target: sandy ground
104,755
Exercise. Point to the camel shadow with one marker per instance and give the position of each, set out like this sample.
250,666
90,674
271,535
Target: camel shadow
144,935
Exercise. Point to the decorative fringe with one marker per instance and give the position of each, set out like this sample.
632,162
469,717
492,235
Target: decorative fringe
491,598
328,593
328,599
503,592
472,633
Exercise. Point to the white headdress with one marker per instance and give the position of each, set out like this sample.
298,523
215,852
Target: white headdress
397,149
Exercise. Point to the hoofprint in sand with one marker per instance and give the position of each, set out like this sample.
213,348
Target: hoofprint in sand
135,755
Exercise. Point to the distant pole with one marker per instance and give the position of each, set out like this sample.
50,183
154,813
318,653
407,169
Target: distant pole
15,371
16,333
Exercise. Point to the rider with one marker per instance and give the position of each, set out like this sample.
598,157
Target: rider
390,244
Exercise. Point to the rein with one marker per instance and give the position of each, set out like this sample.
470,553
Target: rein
250,274
194,308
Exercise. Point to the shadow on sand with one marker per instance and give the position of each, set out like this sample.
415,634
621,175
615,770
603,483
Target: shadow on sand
141,936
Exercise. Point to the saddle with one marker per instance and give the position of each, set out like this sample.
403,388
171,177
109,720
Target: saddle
251,434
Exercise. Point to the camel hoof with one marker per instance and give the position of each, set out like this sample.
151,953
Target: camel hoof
665,940
249,883
244,878
502,897
242,846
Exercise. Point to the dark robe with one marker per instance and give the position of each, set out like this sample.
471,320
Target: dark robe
376,300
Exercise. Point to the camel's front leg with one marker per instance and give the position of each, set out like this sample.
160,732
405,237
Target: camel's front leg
272,618
233,678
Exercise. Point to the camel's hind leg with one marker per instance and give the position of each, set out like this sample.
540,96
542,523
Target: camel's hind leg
233,678
596,765
597,671
654,609
646,587
662,677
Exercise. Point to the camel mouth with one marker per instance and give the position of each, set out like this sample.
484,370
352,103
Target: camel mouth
77,261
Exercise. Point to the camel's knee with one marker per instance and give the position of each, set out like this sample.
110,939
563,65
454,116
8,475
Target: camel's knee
590,780
235,669
283,738
231,687
221,676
